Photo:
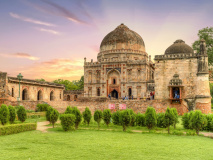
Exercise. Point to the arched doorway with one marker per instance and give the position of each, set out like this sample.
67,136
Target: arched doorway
114,94
75,97
68,97
51,96
24,94
130,92
12,92
39,95
98,92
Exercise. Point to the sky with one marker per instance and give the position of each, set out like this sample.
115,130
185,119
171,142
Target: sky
49,38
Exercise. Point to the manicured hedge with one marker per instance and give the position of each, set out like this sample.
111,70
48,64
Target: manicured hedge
42,107
17,128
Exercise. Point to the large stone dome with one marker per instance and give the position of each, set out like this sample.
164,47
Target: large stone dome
179,46
122,38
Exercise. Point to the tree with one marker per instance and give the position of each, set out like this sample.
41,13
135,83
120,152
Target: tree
98,115
198,121
12,112
4,114
207,35
116,117
160,120
125,118
54,117
41,80
68,110
87,115
174,110
22,115
107,116
67,121
78,117
140,119
133,117
169,118
49,111
150,118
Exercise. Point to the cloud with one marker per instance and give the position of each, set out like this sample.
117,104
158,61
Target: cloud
30,20
20,55
49,31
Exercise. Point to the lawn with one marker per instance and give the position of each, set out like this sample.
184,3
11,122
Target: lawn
94,144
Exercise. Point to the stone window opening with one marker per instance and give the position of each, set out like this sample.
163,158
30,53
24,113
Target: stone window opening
75,97
24,94
130,92
98,92
60,95
12,92
51,96
39,95
68,97
114,81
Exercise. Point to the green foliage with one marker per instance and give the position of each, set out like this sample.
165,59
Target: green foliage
74,85
4,114
40,80
49,111
54,116
178,133
78,116
140,120
68,110
209,119
116,117
67,121
42,107
133,117
125,118
17,128
87,115
107,116
198,121
160,120
186,118
174,110
98,115
169,118
207,35
150,118
22,115
12,112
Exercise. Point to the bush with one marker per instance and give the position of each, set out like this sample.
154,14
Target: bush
175,113
67,121
116,117
78,116
22,115
12,112
54,116
125,118
209,119
150,118
42,107
169,118
160,120
87,115
186,118
4,114
49,111
198,121
68,110
140,119
98,116
133,117
107,116
17,128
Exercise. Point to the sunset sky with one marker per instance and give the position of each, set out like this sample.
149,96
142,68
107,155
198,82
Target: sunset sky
50,38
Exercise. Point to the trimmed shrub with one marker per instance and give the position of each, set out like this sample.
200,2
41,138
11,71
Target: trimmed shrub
17,128
87,115
67,121
4,114
133,117
42,107
12,112
150,118
49,111
209,119
160,120
116,117
125,118
98,115
22,115
186,118
68,110
107,116
140,119
54,116
174,110
78,116
198,121
169,118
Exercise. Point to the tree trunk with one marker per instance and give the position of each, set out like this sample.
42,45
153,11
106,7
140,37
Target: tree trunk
53,125
174,125
197,131
98,125
76,126
168,130
124,128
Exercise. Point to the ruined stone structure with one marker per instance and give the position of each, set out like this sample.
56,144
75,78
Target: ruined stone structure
182,71
123,67
73,95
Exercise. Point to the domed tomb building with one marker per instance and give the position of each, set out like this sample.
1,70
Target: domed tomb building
123,67
182,77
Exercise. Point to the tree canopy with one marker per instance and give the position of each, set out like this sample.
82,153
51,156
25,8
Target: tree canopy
207,35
